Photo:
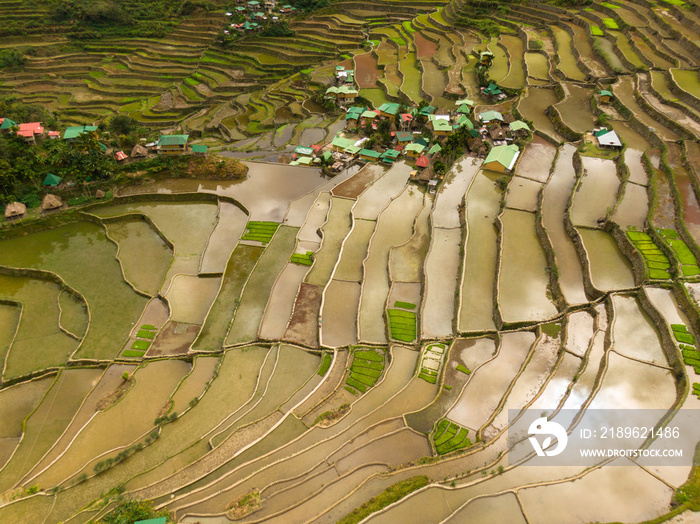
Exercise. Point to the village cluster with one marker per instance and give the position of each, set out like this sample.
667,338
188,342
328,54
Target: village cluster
256,14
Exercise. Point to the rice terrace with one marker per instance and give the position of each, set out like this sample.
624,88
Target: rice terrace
314,261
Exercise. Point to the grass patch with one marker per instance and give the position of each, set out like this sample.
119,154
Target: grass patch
463,369
552,329
404,305
142,345
326,364
390,495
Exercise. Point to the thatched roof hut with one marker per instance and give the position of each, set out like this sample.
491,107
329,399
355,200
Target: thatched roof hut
139,151
99,194
15,210
51,202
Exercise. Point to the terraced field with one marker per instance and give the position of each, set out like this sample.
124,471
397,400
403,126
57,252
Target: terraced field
291,347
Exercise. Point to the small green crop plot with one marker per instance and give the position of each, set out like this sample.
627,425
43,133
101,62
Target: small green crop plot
686,343
131,353
142,345
260,231
404,305
402,325
367,367
689,264
302,259
145,333
463,369
609,5
596,31
449,437
656,262
610,23
326,364
696,389
431,362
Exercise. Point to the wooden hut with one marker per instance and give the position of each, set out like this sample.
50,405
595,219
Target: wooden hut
51,202
139,151
15,210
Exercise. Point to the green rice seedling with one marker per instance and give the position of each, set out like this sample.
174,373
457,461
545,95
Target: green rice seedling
404,305
362,379
141,345
428,378
610,23
684,337
669,233
368,354
685,255
148,326
130,353
325,364
463,369
658,265
690,270
659,274
680,328
302,259
637,235
359,386
370,364
596,31
373,373
144,333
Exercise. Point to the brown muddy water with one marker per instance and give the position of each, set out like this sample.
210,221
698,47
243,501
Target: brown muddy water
441,283
537,158
597,192
338,318
609,268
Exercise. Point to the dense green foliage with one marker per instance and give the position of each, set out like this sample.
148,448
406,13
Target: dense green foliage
129,511
390,495
12,59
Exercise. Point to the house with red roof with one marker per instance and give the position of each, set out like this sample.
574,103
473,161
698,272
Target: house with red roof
30,131
54,135
120,155
422,162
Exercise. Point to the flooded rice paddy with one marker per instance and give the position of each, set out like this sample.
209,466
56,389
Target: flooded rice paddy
150,348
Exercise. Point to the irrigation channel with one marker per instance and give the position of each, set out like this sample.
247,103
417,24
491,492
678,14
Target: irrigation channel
288,347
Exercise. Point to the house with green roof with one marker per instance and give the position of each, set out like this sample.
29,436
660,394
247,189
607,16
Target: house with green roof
51,180
73,132
340,144
502,158
369,116
486,57
463,121
464,109
199,150
389,156
388,109
518,127
304,151
403,137
492,91
427,110
491,117
172,144
370,155
414,150
435,149
159,520
441,127
6,124
463,101
605,96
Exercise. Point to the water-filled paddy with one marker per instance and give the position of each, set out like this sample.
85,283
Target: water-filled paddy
477,287
229,227
339,313
537,158
575,109
114,306
609,268
516,76
523,280
567,61
406,261
451,194
537,66
190,297
441,282
335,229
632,210
597,192
533,105
354,251
523,194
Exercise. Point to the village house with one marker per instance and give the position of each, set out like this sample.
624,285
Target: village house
15,210
73,132
414,150
390,156
607,139
492,91
605,96
30,131
200,150
403,137
422,162
6,124
388,109
519,128
368,117
405,119
486,58
491,118
172,144
502,158
369,155
441,125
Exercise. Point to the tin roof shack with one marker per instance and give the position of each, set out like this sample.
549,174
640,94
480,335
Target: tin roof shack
172,144
502,158
608,139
